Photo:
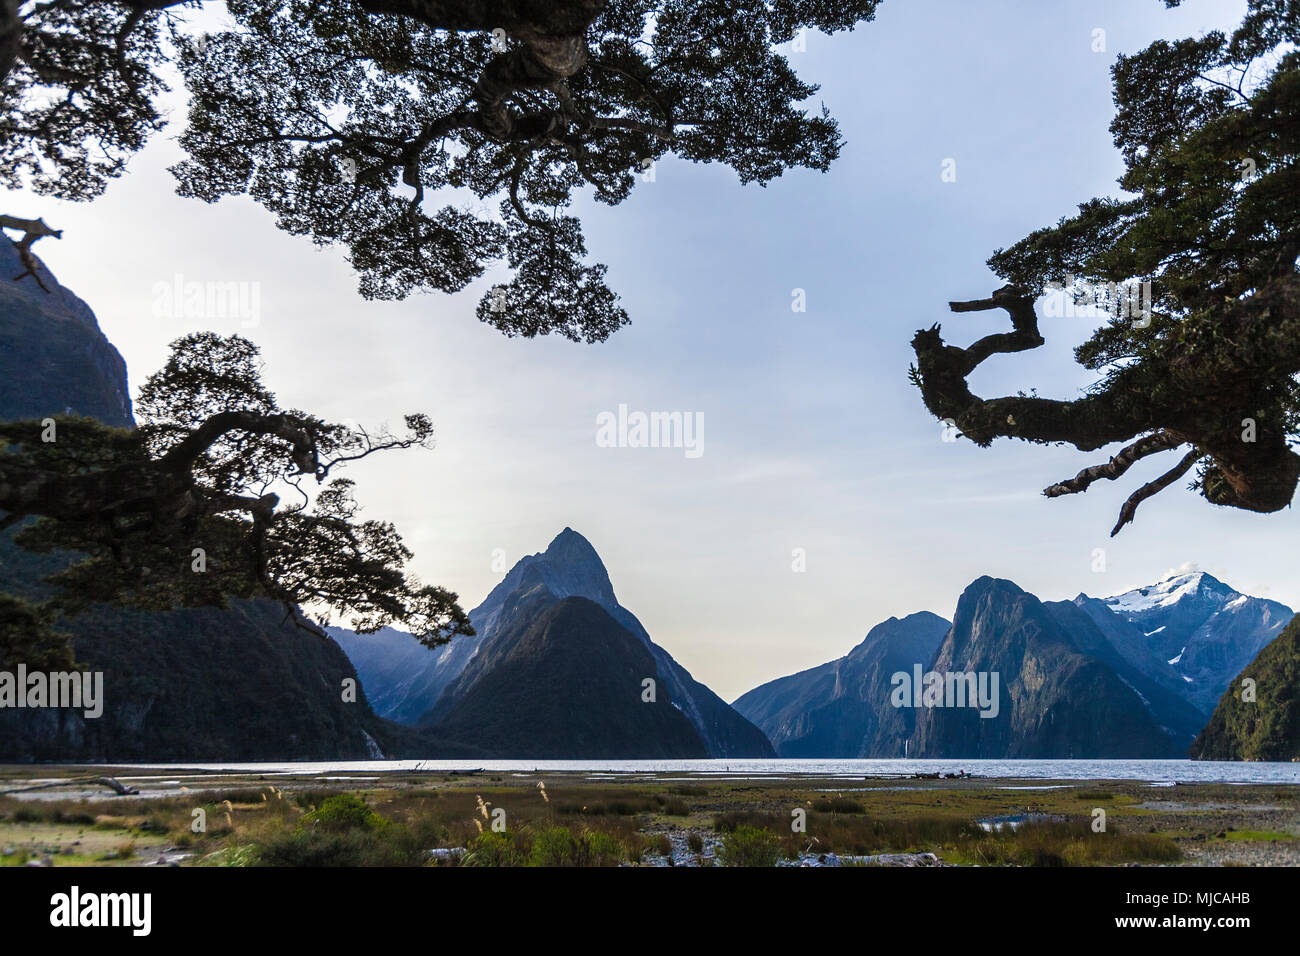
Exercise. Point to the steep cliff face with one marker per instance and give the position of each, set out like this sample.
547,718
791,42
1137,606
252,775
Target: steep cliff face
202,685
1267,727
842,708
55,359
1055,699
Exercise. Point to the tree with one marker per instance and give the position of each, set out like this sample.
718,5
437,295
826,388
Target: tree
344,117
186,510
78,82
1197,264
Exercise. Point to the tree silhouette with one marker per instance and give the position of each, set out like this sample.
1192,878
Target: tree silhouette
188,509
1197,264
351,119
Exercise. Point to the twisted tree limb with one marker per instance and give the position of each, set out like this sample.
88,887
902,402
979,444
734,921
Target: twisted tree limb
941,370
32,229
1207,378
1118,464
1151,488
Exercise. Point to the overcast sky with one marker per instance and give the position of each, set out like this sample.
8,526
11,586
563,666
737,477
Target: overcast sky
813,437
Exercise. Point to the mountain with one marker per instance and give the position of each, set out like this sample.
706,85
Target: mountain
1110,640
400,674
565,680
1059,692
202,684
841,709
1074,679
53,356
1267,728
568,568
1203,628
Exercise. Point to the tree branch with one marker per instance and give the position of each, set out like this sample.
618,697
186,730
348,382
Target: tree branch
33,229
1150,445
941,370
1155,487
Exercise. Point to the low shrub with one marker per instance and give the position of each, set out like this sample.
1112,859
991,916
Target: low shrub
750,846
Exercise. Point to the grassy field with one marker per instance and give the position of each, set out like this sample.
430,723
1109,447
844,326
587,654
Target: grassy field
580,819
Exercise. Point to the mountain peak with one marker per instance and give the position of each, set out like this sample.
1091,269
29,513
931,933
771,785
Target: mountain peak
1178,584
568,545
569,567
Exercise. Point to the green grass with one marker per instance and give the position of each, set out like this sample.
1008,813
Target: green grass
1261,836
1065,844
750,846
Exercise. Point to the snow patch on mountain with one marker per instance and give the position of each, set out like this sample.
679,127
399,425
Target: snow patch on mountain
1169,590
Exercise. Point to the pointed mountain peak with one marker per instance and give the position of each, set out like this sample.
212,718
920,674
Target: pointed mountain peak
986,584
569,567
921,625
572,568
569,547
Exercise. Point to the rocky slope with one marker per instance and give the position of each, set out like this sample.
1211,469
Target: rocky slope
1057,697
566,680
1204,629
55,359
1075,679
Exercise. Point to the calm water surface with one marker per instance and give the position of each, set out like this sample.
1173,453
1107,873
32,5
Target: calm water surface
1168,771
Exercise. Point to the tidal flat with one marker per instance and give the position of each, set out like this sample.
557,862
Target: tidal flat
61,816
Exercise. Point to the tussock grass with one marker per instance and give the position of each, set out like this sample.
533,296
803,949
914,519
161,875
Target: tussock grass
751,846
1071,843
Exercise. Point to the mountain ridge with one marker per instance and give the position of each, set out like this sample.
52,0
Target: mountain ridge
1052,658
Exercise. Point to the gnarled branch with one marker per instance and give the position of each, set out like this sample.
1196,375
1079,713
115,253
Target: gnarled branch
1087,423
1127,513
1119,463
32,230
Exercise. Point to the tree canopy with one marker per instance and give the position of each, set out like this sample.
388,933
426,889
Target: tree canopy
382,126
351,120
1197,263
219,493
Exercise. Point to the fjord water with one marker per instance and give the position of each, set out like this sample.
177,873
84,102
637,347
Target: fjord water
1155,771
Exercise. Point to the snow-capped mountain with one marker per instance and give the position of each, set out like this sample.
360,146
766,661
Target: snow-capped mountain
1206,630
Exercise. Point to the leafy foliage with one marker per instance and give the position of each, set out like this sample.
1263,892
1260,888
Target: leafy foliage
1267,727
341,813
1209,130
78,100
750,846
185,511
342,117
27,636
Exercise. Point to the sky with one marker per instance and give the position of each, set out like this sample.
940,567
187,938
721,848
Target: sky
816,450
